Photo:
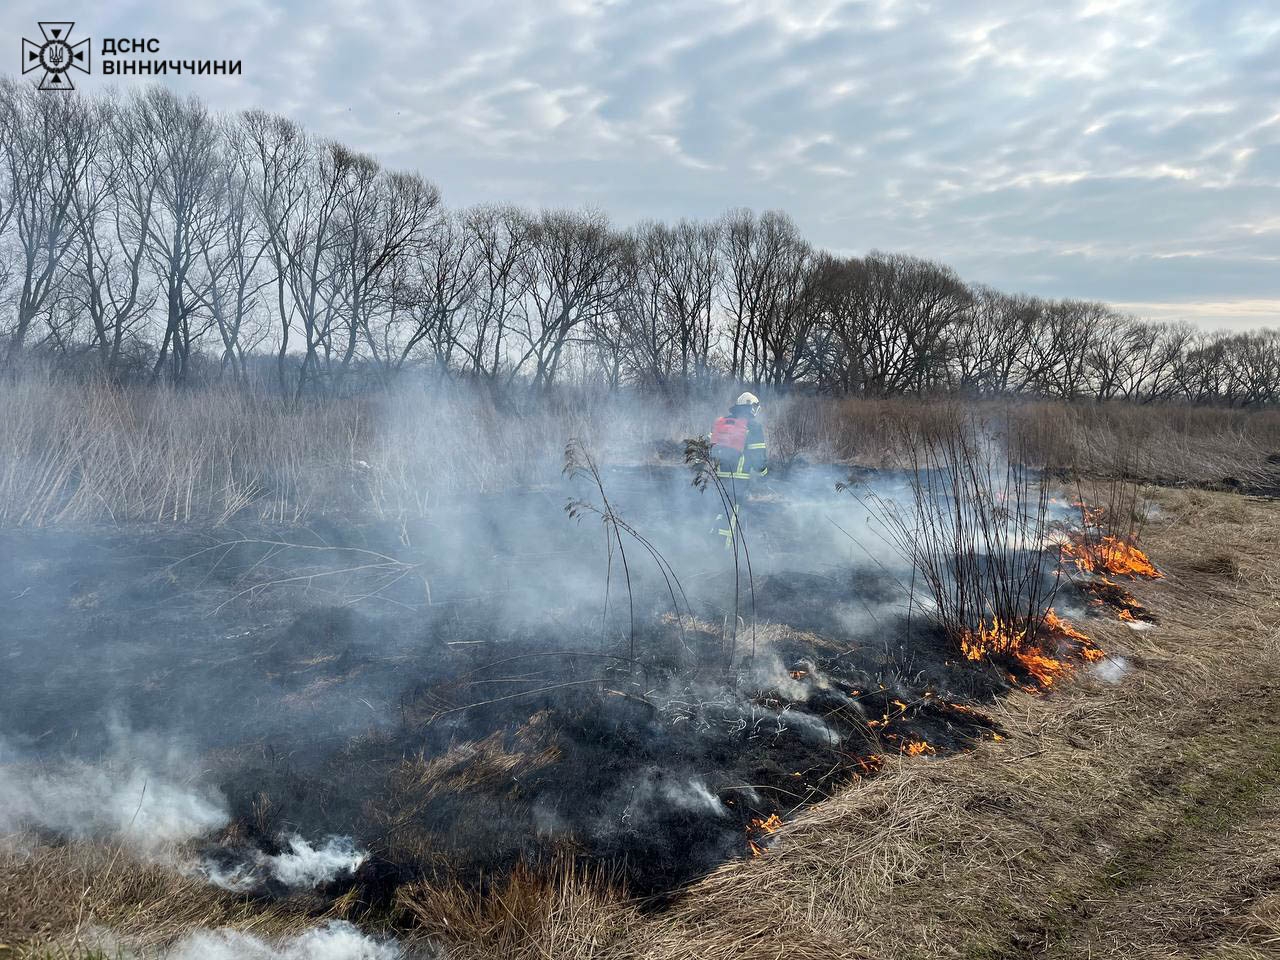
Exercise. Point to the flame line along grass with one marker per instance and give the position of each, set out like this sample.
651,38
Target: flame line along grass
1026,644
1109,555
1104,592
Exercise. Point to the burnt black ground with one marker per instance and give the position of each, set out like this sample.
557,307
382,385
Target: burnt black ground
317,669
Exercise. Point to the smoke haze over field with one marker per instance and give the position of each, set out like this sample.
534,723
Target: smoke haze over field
430,638
246,653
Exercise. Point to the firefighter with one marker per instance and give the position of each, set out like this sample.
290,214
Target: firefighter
739,452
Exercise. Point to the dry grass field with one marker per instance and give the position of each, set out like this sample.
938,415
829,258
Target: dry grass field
95,452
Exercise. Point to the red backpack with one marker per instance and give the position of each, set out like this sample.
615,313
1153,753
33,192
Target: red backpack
730,432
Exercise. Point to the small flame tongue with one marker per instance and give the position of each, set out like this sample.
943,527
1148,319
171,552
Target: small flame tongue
757,829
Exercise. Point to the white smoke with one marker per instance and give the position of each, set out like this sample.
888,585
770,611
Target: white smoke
302,867
808,726
145,792
768,672
336,941
308,866
693,795
1112,669
651,796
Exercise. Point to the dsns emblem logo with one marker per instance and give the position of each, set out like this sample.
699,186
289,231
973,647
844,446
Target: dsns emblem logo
55,56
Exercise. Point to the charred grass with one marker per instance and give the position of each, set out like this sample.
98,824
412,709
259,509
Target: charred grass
1126,820
1129,819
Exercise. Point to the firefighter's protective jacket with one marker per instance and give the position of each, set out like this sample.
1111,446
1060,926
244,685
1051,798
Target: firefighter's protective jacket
738,445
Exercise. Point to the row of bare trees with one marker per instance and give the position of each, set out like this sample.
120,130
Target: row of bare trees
142,234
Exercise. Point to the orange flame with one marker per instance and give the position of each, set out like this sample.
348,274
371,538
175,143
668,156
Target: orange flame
997,638
1045,669
757,829
1056,624
869,764
1109,555
1002,639
1061,628
915,748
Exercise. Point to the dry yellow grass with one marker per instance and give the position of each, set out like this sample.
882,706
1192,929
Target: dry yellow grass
66,894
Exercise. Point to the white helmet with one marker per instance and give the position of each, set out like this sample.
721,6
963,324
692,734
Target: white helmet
747,399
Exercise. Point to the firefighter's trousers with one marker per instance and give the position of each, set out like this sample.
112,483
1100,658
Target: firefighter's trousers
727,525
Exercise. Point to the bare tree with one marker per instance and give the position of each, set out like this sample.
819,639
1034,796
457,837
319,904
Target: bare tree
440,286
233,249
307,248
989,338
178,148
273,158
116,211
667,319
896,327
115,206
758,254
1253,364
503,240
382,218
572,271
1057,355
48,141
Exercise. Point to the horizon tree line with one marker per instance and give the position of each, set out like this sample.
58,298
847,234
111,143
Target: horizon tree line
142,234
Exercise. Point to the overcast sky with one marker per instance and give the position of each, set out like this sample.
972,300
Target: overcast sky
1127,151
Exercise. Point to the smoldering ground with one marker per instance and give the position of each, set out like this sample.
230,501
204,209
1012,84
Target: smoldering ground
485,683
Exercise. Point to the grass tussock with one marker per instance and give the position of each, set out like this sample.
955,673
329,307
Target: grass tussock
58,899
557,911
973,532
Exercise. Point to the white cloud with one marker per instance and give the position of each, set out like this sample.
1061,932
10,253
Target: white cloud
1032,146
